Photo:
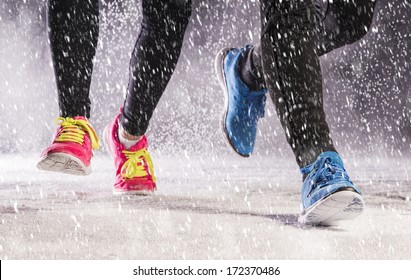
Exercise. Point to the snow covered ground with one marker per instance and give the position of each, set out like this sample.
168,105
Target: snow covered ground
210,207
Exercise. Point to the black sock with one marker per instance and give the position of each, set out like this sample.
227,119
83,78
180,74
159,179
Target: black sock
250,68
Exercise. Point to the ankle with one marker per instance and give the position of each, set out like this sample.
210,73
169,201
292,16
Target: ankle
250,69
129,136
127,139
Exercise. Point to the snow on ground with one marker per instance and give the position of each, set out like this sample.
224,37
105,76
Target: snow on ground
210,207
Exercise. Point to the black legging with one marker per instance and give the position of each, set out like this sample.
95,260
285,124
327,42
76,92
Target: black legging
294,33
337,24
73,33
154,59
73,26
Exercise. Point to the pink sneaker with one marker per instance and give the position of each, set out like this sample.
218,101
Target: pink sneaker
134,167
71,150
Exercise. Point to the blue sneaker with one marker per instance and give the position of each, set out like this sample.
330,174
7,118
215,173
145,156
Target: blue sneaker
327,194
243,106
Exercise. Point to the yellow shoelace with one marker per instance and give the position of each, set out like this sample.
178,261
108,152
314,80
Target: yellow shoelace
134,166
74,131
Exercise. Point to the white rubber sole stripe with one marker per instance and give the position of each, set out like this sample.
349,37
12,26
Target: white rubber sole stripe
65,163
218,66
142,193
342,205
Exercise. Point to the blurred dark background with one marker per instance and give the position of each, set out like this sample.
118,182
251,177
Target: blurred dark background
366,85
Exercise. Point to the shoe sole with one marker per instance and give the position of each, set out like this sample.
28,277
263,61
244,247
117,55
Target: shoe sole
341,205
64,163
122,192
219,66
142,193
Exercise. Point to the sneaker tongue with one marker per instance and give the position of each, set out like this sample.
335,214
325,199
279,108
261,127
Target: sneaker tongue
333,157
84,125
80,118
142,144
307,169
